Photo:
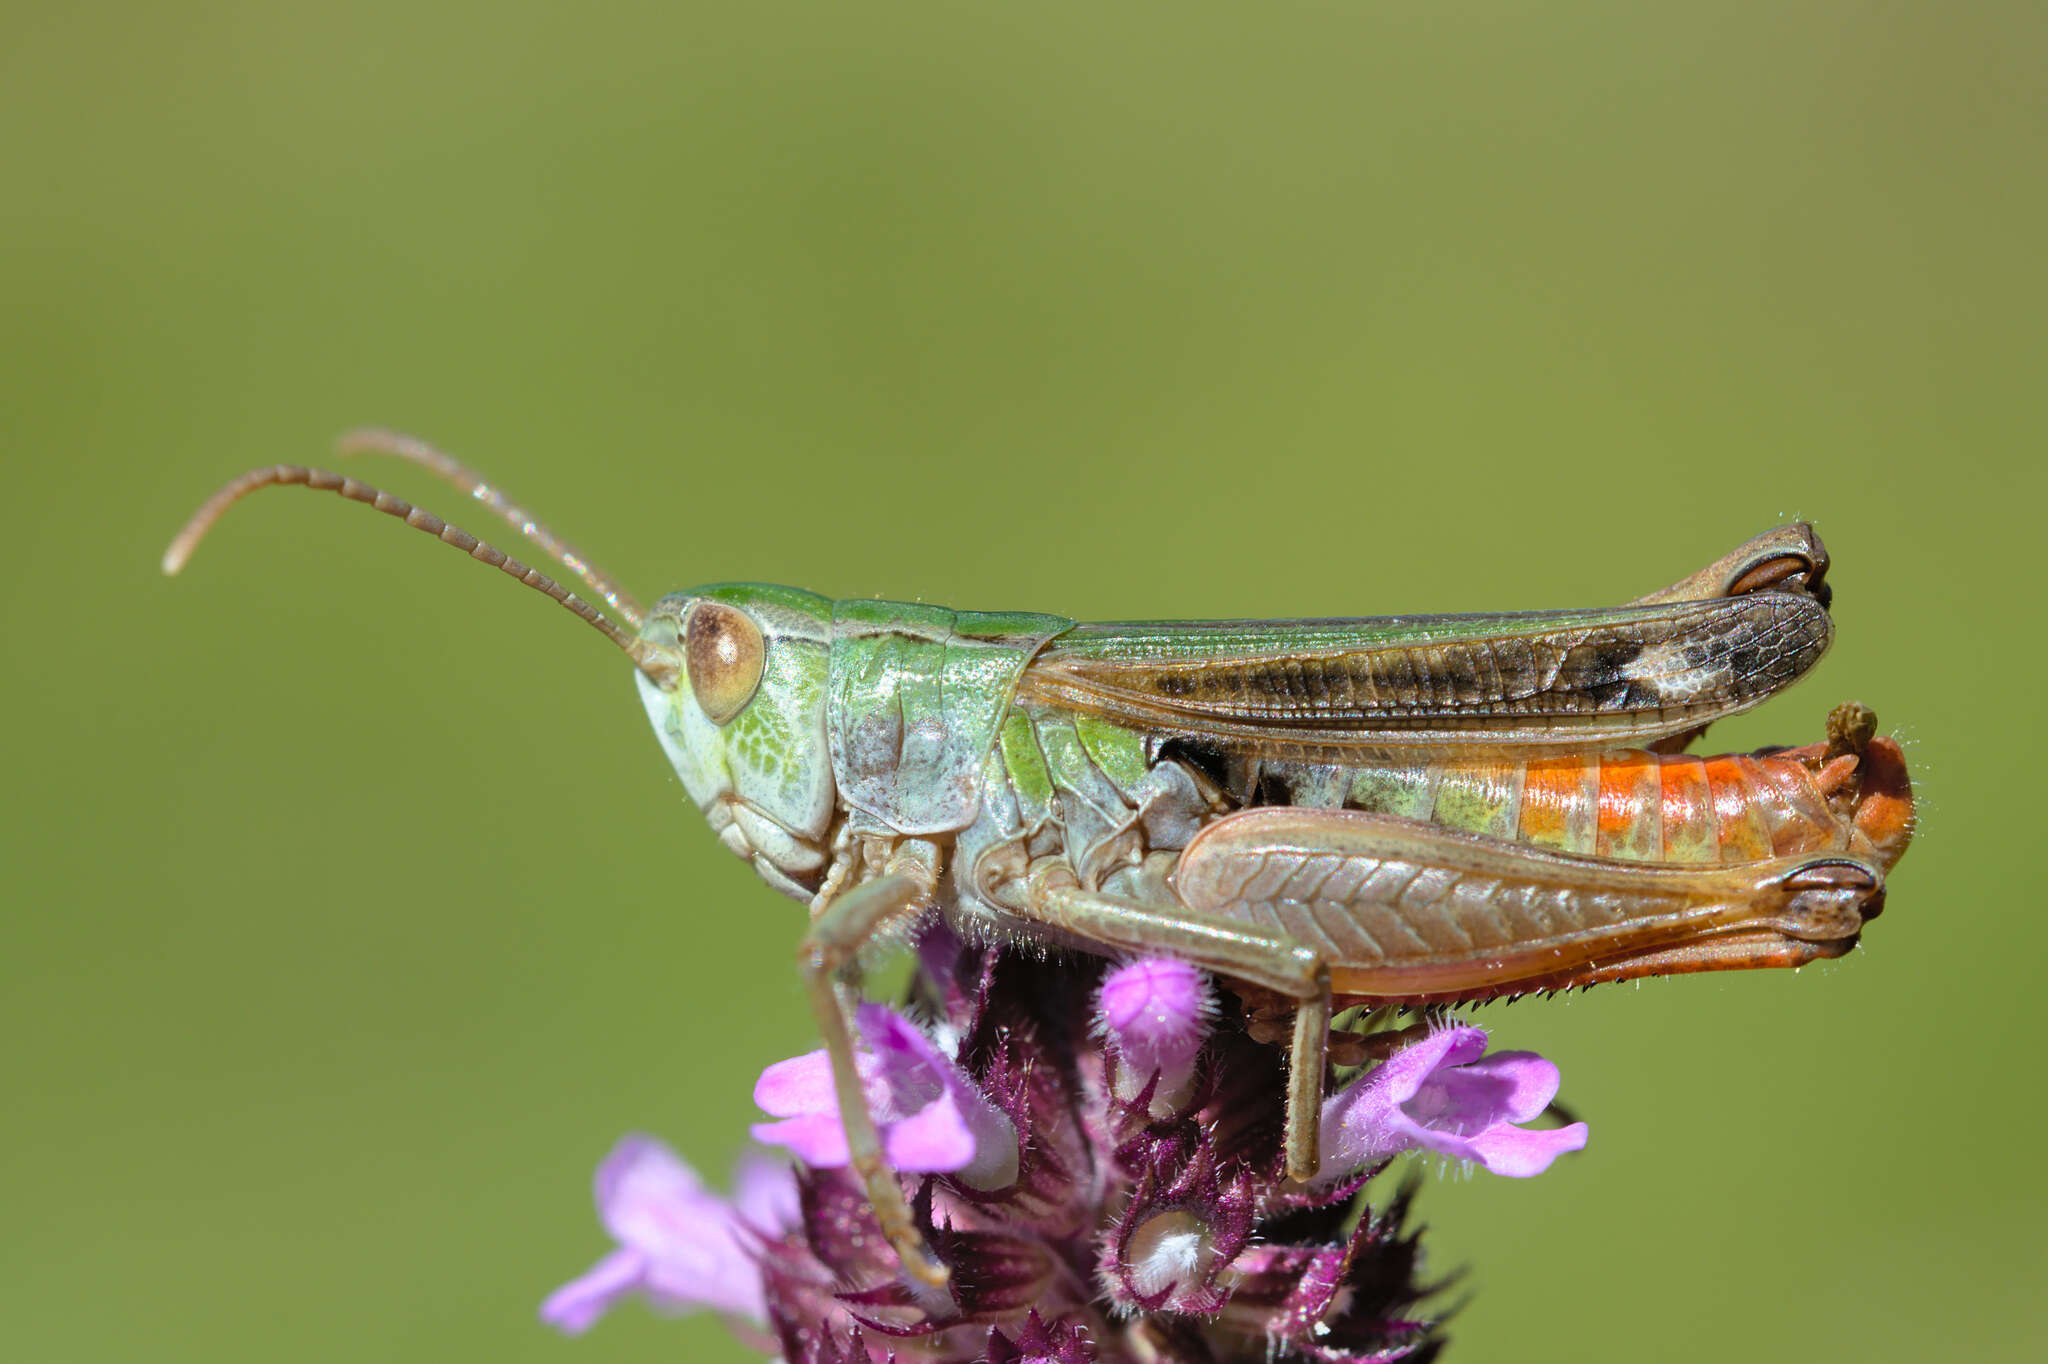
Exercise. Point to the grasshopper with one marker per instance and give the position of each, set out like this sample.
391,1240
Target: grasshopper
1401,810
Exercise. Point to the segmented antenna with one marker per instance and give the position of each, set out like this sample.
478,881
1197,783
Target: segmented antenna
645,656
376,441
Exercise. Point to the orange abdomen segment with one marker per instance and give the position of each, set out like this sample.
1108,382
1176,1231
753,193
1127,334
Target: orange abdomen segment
1691,831
1738,823
1561,804
1634,806
1631,803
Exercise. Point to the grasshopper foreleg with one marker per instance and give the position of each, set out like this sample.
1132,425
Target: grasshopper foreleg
830,952
1230,949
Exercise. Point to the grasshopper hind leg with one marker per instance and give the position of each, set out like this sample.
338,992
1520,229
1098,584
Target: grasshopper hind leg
1237,950
830,953
1308,1059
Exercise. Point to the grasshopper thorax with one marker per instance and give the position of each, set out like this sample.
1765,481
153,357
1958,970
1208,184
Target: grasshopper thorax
744,720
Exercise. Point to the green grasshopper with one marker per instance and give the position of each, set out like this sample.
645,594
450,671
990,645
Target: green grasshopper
1403,810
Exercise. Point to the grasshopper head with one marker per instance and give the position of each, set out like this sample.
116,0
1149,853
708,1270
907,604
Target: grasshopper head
743,720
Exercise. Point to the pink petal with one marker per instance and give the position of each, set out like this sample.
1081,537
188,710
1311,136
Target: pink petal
802,1084
816,1139
1520,1152
905,1072
575,1307
1363,1122
1524,1083
1407,1070
649,1200
1466,1100
641,1168
930,1115
680,1245
1443,1094
1157,1006
722,1275
764,1193
800,1091
935,1137
1156,1013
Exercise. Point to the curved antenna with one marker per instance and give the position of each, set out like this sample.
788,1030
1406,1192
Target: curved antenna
645,656
372,440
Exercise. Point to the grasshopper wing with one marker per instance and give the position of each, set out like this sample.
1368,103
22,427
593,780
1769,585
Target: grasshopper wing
1333,690
1406,911
1654,672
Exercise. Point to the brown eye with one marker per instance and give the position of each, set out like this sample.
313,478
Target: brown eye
723,650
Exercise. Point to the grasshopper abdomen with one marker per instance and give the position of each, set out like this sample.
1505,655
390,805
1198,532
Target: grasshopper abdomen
1631,805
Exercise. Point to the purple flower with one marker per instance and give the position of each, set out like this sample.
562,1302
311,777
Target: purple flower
932,1116
1084,1220
1125,1236
680,1245
1443,1094
1156,1011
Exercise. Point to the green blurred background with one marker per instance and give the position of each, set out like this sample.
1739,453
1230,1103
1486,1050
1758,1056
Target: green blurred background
351,913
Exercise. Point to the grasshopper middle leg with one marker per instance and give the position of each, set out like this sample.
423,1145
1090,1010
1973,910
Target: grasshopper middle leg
1231,949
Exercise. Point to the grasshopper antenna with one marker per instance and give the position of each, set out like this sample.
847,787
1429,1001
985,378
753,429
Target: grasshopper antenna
372,440
645,656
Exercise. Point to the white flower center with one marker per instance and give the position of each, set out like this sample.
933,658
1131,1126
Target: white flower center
1172,1248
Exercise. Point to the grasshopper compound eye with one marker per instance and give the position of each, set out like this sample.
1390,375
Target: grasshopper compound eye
723,651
